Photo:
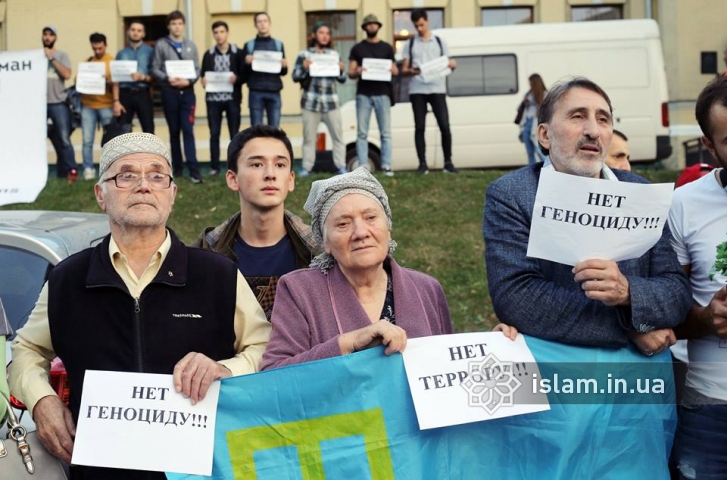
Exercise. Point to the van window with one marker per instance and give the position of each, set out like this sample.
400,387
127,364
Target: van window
483,75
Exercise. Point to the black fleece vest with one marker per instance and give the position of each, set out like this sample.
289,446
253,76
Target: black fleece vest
96,324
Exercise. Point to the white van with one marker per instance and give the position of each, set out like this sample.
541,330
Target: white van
624,57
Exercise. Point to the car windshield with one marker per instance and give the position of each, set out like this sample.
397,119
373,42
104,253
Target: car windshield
22,275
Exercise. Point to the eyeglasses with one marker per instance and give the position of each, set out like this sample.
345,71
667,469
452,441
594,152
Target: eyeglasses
156,180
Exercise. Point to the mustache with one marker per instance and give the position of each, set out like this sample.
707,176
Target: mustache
590,142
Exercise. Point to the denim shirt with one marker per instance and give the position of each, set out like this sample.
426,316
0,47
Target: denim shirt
142,55
541,298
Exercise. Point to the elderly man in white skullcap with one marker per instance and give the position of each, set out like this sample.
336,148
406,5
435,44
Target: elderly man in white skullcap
140,301
355,296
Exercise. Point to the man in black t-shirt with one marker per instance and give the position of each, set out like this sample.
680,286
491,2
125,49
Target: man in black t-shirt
374,91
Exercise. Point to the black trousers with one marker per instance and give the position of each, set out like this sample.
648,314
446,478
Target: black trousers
438,101
137,101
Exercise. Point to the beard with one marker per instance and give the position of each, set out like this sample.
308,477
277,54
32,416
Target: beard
49,44
371,34
569,161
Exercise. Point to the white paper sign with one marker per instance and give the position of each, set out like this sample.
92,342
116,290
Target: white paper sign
23,125
180,69
144,424
577,218
470,377
91,78
218,82
376,69
325,65
267,61
435,69
121,70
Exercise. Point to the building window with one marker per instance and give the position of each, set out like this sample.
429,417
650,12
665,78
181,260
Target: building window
492,17
603,12
404,28
483,75
343,35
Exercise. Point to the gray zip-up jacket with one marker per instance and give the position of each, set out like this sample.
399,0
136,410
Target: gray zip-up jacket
163,51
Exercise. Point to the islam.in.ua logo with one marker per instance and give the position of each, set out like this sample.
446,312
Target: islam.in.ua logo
490,384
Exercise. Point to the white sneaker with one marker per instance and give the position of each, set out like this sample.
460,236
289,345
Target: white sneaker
89,173
388,172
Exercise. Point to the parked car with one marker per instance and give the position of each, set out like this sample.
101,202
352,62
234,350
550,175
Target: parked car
31,243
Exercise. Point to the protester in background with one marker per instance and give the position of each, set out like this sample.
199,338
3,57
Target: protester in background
618,153
371,94
319,101
133,304
264,87
529,122
223,57
263,238
178,96
59,70
697,219
420,49
97,109
135,97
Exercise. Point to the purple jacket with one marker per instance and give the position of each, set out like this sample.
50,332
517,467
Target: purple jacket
312,309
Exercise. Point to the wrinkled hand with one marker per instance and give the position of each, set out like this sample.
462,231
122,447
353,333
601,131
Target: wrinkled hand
603,281
194,374
379,333
507,330
55,427
716,313
653,342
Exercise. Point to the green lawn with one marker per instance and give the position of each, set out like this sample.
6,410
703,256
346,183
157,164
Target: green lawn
437,224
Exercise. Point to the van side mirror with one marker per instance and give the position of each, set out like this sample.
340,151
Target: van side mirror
708,63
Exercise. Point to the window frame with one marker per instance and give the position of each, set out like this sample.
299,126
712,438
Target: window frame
617,6
484,89
521,7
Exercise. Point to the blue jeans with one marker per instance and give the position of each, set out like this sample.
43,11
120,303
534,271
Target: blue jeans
179,106
531,145
269,102
381,104
60,136
214,120
700,445
90,118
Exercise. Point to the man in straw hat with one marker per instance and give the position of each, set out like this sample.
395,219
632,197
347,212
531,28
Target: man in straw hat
140,301
372,94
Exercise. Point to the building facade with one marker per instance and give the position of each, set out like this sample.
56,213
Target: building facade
690,29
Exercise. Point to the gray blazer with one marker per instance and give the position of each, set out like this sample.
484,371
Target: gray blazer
541,298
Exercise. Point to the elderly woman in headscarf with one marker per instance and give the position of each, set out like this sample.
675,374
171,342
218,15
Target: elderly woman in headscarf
355,296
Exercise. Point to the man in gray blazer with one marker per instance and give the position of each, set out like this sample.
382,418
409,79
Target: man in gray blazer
597,302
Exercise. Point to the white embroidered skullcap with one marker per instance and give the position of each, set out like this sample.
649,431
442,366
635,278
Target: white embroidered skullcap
131,143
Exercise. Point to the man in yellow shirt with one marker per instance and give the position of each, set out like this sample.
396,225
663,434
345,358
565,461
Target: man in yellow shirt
140,301
97,109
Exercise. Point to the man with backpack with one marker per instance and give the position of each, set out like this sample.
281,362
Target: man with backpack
264,86
59,70
420,49
224,57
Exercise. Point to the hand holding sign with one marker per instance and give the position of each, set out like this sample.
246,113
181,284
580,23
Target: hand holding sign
379,333
603,281
194,374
